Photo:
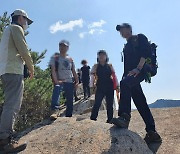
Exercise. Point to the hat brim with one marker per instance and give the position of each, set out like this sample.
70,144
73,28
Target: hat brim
64,44
29,21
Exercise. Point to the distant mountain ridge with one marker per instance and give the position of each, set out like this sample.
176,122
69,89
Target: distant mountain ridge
162,103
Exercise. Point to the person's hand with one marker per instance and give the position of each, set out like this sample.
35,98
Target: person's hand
60,82
135,72
118,89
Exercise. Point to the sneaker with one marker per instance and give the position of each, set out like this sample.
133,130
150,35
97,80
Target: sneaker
11,146
122,121
152,137
54,114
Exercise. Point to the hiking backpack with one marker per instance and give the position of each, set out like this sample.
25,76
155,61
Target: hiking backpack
151,64
151,61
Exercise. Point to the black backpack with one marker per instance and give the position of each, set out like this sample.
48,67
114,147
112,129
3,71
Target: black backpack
56,66
151,65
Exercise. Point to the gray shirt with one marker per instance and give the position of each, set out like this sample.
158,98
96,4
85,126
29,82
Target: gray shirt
65,66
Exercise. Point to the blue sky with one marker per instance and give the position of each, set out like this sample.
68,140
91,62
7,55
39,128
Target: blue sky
90,26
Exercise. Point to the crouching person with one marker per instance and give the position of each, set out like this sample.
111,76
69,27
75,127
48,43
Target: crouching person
102,72
63,72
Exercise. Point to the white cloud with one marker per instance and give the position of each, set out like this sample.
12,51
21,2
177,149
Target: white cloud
59,26
81,35
91,32
96,31
96,24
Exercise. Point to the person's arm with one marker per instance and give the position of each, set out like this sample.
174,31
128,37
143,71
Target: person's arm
21,45
54,75
135,72
93,76
141,63
143,43
89,69
115,80
74,74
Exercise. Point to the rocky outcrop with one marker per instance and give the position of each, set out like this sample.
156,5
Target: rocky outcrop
83,106
81,136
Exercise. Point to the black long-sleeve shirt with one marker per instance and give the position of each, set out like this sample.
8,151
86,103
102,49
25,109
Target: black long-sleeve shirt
135,48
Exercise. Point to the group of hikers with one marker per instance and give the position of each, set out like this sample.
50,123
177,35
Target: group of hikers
14,54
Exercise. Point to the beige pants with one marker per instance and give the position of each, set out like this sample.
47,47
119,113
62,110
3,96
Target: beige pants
13,85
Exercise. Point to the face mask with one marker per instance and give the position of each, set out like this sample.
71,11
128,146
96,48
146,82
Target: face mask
26,26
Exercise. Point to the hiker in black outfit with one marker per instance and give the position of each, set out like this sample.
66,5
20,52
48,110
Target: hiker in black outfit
85,78
135,54
102,72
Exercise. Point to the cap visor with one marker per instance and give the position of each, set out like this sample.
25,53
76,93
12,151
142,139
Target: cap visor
29,21
64,44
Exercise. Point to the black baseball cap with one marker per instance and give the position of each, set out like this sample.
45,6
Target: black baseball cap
124,25
102,51
65,42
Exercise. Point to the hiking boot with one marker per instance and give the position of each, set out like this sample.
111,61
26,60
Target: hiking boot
109,121
54,114
122,121
11,146
77,99
152,137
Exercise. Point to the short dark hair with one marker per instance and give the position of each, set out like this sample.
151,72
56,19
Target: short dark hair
83,62
15,18
124,25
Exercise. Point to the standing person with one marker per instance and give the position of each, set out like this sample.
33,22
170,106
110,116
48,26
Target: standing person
63,80
135,54
102,72
79,75
85,78
13,53
76,98
75,91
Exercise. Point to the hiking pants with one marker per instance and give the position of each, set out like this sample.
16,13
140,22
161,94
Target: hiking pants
100,94
86,89
130,88
13,86
68,89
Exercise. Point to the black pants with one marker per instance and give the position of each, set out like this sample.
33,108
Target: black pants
86,89
100,94
131,88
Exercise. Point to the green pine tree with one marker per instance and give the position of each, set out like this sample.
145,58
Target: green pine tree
37,92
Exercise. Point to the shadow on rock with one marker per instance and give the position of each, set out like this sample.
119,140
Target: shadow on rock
124,141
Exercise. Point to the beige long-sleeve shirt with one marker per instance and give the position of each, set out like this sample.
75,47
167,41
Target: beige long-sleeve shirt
14,51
